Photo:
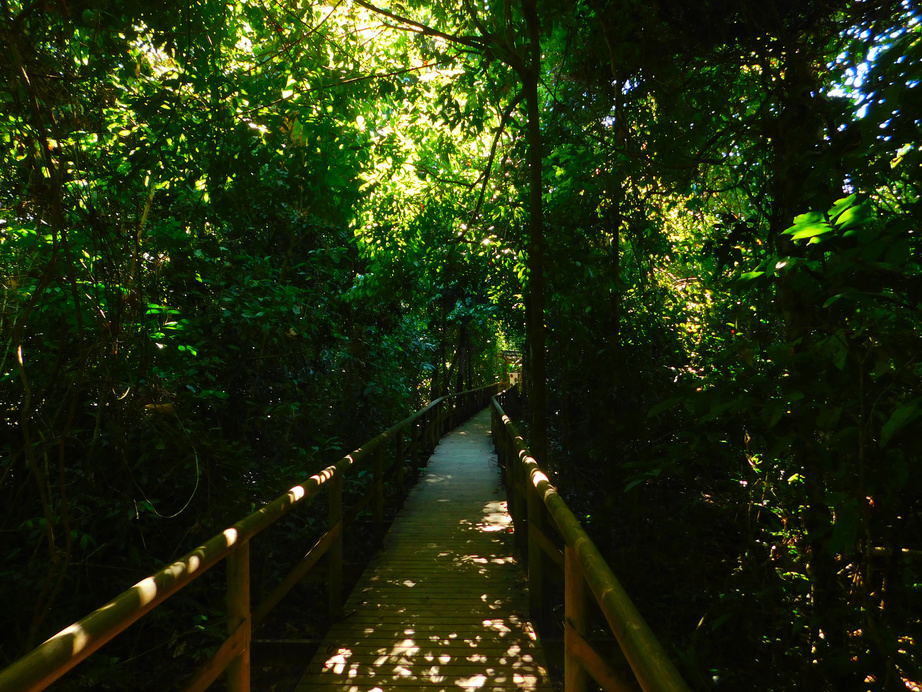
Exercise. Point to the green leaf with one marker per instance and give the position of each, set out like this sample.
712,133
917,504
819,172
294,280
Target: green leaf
845,527
899,419
774,411
837,348
664,406
828,417
854,216
810,230
633,484
841,205
830,301
808,218
898,254
715,411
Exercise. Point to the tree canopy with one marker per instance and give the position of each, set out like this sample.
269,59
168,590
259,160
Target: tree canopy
237,238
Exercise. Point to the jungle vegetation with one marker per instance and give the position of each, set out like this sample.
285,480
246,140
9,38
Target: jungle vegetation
239,238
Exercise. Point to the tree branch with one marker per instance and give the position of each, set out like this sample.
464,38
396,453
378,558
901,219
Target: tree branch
417,27
435,176
344,82
507,114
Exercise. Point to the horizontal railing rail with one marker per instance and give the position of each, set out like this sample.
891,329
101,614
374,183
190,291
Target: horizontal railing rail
411,436
534,504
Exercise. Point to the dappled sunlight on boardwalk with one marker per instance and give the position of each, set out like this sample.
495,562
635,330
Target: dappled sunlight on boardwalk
442,607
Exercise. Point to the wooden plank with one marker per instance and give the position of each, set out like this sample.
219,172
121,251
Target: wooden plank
443,604
386,595
427,641
472,683
447,623
422,619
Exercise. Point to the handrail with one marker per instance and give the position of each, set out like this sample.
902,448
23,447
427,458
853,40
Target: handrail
62,652
582,564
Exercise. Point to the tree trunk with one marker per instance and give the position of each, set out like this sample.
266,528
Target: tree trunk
790,196
535,317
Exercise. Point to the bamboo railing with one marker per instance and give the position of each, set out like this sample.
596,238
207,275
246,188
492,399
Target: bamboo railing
62,652
534,505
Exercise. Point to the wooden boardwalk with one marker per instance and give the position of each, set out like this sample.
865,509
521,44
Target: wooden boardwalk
442,607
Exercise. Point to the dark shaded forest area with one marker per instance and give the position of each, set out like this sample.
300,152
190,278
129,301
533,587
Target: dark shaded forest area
237,239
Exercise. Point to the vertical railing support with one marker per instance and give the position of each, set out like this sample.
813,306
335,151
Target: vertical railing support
426,423
575,622
238,615
520,484
335,572
379,493
401,469
414,445
535,555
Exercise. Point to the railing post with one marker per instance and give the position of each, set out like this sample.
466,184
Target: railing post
400,466
426,422
379,493
520,494
575,621
238,615
535,554
494,432
335,574
414,446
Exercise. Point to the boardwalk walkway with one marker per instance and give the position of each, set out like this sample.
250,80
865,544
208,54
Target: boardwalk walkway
442,607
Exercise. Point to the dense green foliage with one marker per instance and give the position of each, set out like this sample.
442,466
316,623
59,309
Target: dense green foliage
188,323
237,238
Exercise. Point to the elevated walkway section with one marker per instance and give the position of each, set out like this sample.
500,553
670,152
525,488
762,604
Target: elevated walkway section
443,605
